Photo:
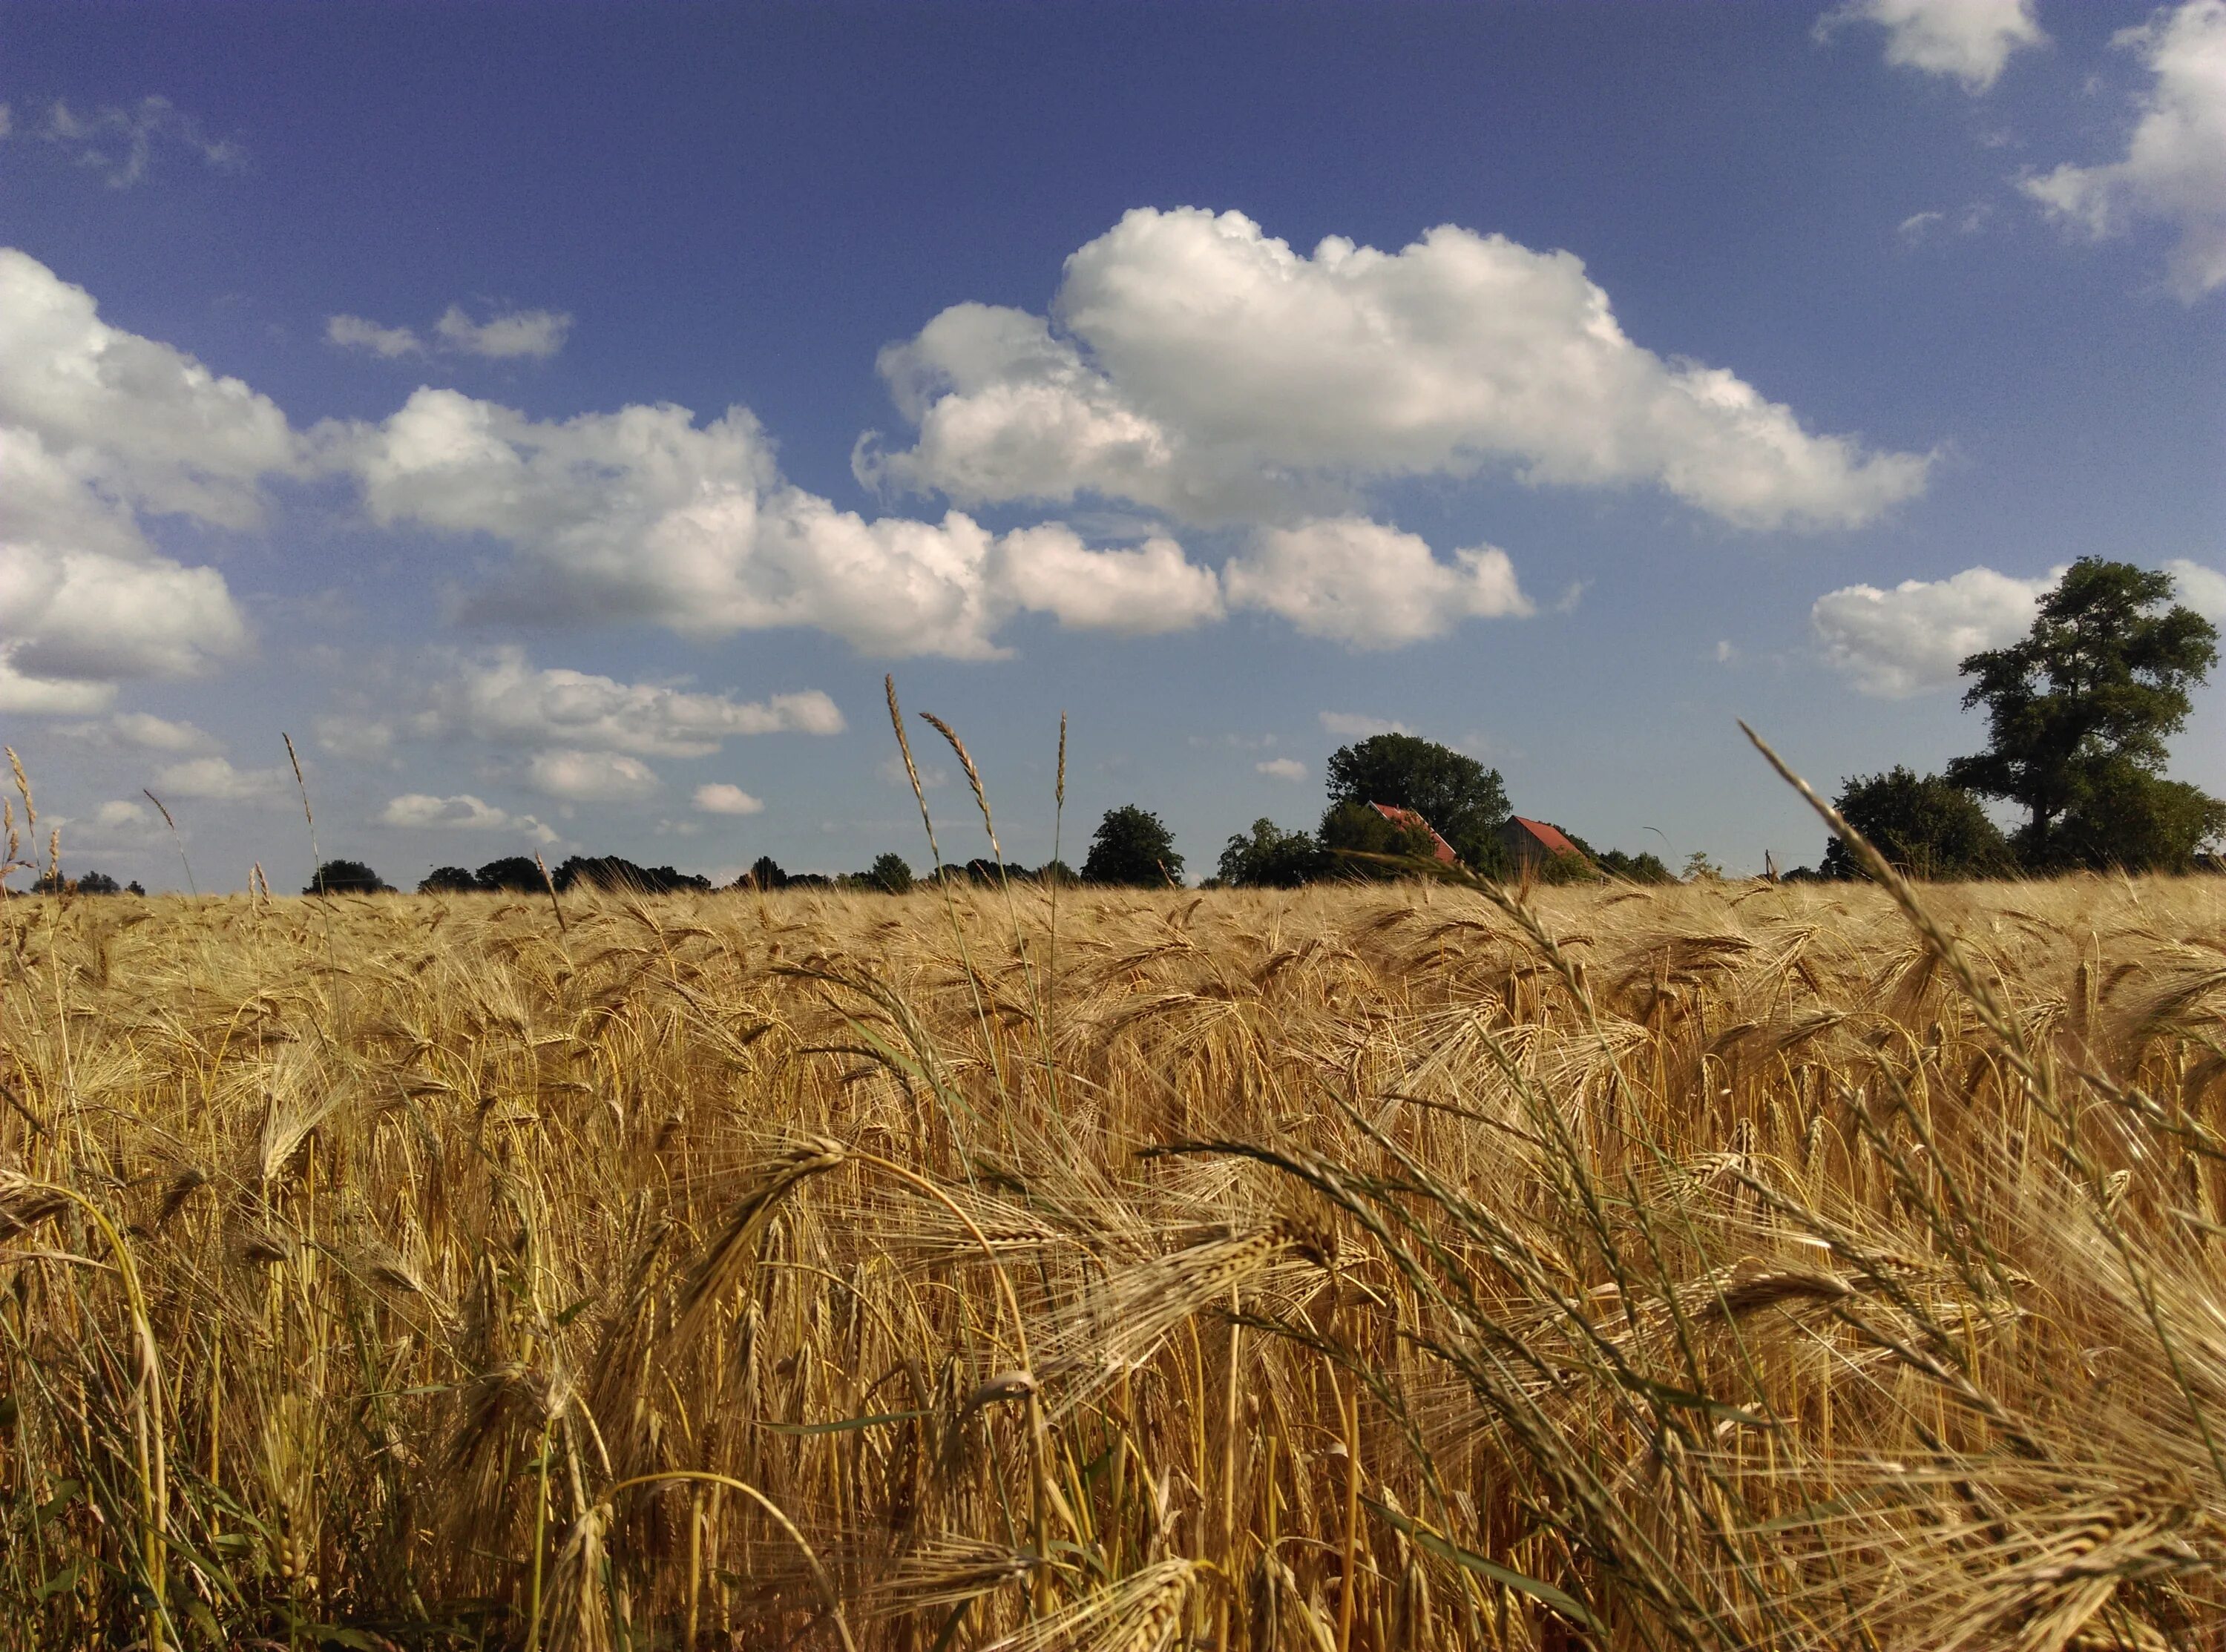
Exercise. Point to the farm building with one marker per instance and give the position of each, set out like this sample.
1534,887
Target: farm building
1530,843
1408,820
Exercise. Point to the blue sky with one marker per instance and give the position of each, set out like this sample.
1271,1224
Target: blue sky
559,420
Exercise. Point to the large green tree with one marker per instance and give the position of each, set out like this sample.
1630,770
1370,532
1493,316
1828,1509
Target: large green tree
1464,801
1132,846
2078,715
1925,825
1270,858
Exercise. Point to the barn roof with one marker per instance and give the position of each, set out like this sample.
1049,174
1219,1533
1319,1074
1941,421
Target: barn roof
1552,839
1408,820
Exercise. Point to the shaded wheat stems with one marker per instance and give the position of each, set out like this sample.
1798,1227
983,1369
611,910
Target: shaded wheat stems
1713,1267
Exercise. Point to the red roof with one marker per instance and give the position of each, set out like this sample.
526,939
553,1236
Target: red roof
1408,820
1550,838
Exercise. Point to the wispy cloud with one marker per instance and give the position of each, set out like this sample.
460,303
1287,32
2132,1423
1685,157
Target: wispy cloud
507,335
120,142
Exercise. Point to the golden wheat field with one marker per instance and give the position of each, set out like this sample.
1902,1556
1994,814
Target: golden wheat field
1383,1267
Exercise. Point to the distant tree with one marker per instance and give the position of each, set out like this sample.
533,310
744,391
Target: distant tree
1465,802
808,881
1132,846
1055,871
513,873
1269,858
347,878
449,880
765,874
133,888
98,883
1633,868
890,874
2078,713
1926,825
1357,842
1699,868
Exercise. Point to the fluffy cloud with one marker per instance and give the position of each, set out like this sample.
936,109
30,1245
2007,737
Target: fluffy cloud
1969,39
2201,588
122,814
1358,724
502,697
1368,585
641,514
1151,589
354,333
538,334
215,780
591,777
119,143
1193,365
462,813
720,799
532,334
1281,768
98,426
2174,168
144,732
1896,643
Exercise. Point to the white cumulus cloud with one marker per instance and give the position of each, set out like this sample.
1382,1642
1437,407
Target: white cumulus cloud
2201,588
462,812
1194,365
502,697
1281,768
122,814
720,799
2174,168
1367,585
538,334
1358,724
1971,40
354,333
143,731
591,777
98,427
642,514
1896,643
214,780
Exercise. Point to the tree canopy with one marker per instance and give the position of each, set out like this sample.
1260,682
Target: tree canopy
1269,858
2078,713
890,874
347,878
1925,825
1465,802
1132,846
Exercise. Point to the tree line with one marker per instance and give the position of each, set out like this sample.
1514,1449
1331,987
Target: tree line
2079,715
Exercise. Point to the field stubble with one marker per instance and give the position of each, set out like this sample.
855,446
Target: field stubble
1364,1268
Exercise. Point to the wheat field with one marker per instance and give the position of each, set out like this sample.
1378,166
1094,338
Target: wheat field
1373,1267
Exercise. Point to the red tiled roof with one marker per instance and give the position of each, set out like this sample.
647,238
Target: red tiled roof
1550,838
1409,820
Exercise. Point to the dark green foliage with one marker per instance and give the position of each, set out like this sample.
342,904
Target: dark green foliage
513,873
347,878
1055,871
2078,713
450,881
1925,825
616,872
1634,868
1270,858
765,873
890,874
1132,846
1464,800
1352,833
98,883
